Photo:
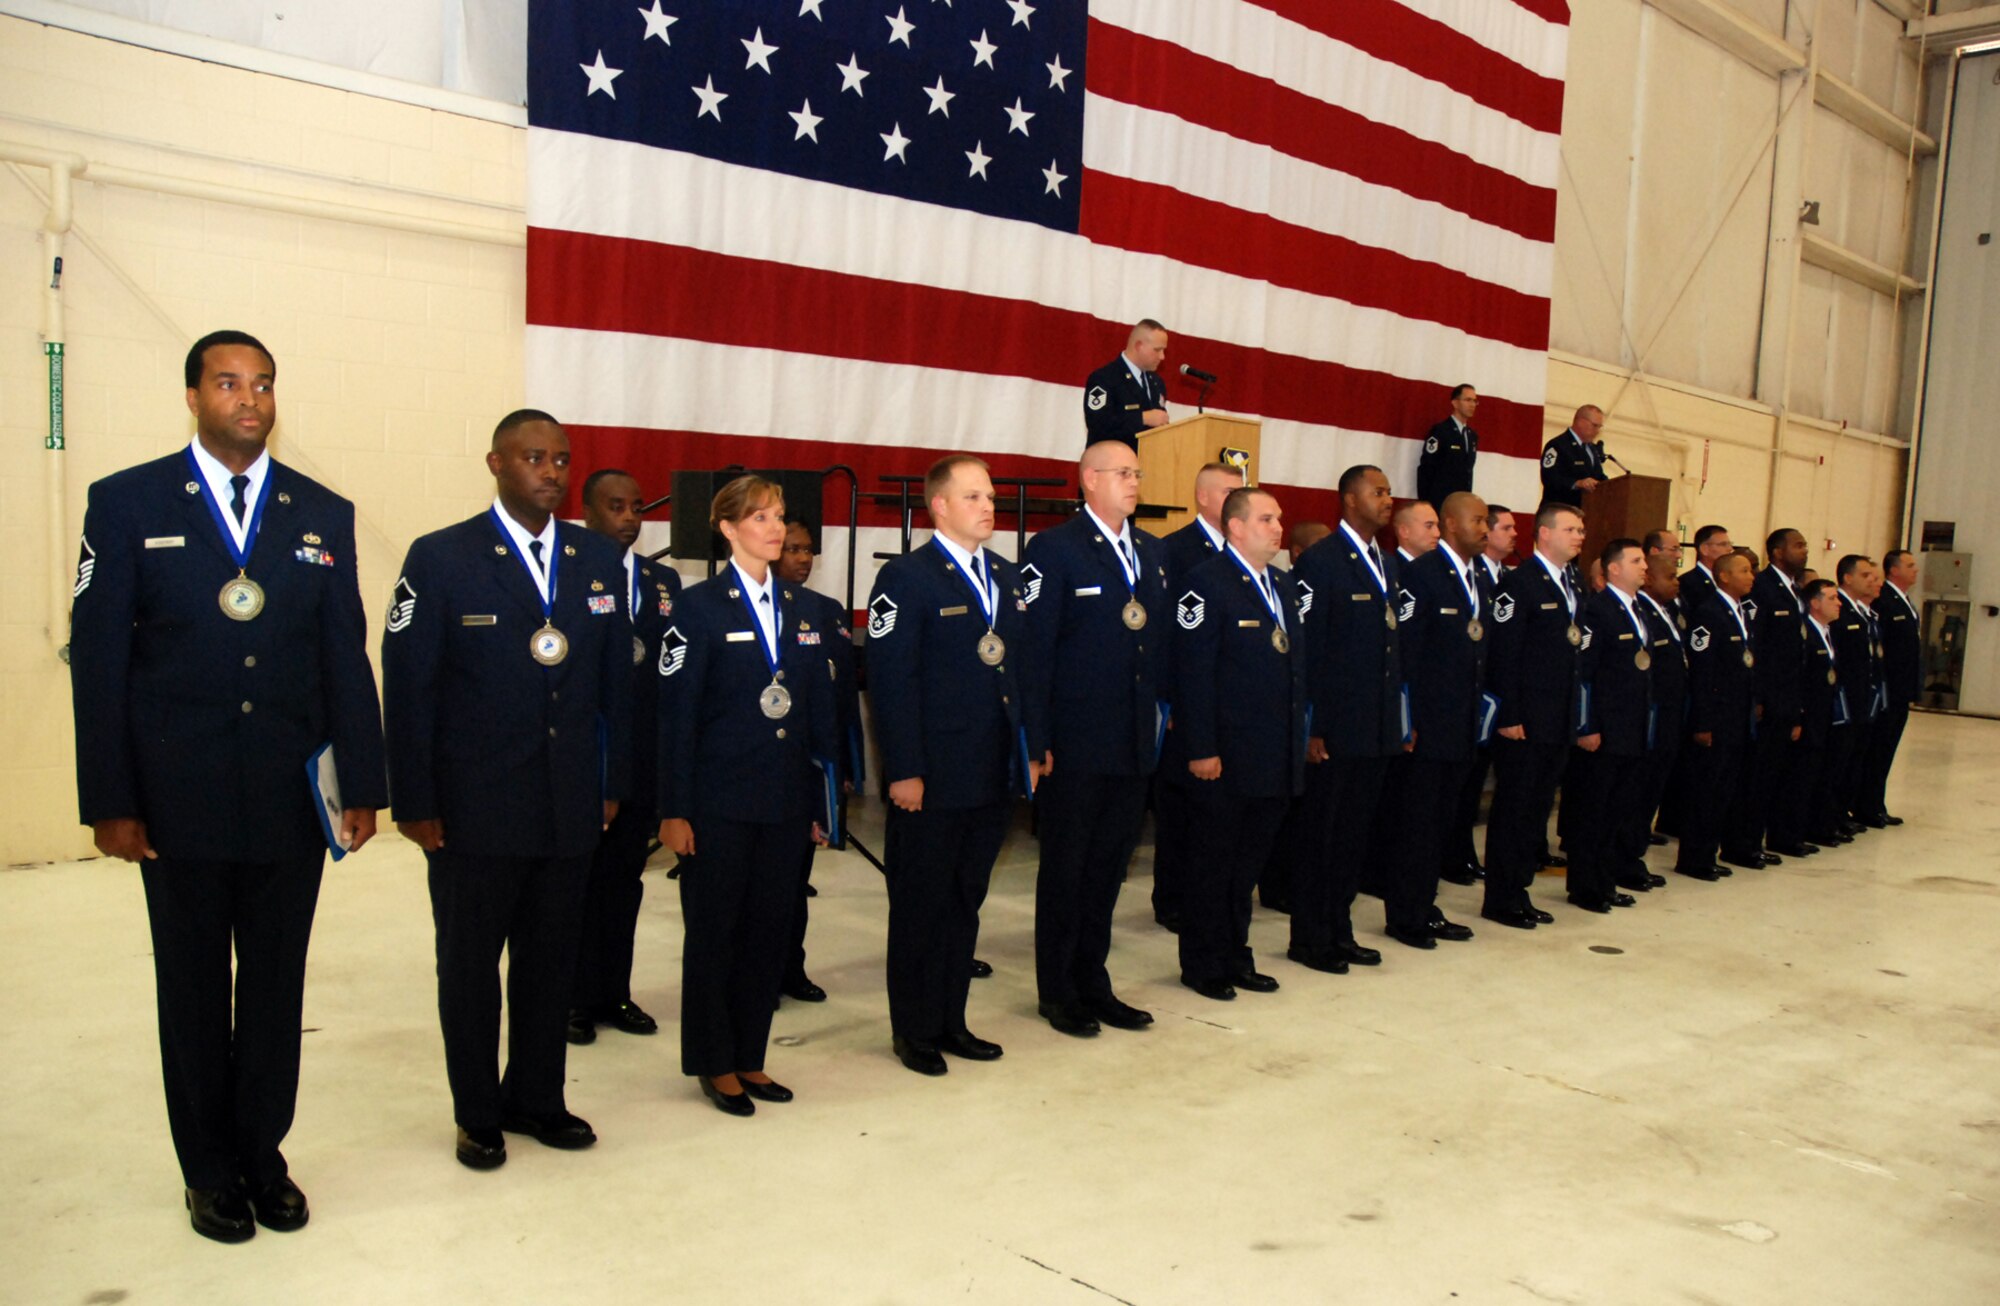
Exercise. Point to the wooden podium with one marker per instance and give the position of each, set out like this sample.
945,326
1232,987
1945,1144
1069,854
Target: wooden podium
1170,456
1624,505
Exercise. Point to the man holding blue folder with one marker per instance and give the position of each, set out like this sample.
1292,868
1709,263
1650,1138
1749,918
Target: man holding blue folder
217,646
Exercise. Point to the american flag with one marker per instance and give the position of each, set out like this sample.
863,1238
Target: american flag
790,233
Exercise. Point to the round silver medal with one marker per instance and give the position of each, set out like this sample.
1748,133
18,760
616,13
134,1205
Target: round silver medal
1135,615
548,646
1574,635
241,599
1643,660
992,649
775,702
1474,631
638,650
1283,642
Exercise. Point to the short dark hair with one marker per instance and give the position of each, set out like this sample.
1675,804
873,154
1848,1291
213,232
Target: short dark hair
1815,588
1658,539
1776,539
1352,476
192,368
518,418
602,474
1893,556
812,536
1849,563
1237,506
1545,516
1616,549
1149,324
944,468
1707,533
1498,510
1459,390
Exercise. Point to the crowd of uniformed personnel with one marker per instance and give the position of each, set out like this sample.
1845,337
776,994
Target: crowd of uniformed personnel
555,702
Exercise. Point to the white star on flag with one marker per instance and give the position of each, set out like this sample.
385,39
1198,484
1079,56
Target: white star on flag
808,122
894,143
851,74
1022,12
982,51
600,77
760,53
900,30
940,98
1054,179
1017,117
811,7
711,100
1058,75
979,158
657,23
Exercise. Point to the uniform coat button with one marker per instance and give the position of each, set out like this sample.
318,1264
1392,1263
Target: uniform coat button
250,661
246,705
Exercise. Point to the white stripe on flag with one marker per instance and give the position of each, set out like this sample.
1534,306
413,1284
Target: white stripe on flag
1520,37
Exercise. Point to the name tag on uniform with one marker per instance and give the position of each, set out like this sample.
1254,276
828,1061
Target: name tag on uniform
479,619
1548,607
739,637
166,541
1089,590
1626,635
1361,598
1447,612
1251,624
1781,612
1131,408
958,611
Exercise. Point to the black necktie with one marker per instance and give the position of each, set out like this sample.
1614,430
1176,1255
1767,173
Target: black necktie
1131,566
535,547
1375,556
240,484
1271,593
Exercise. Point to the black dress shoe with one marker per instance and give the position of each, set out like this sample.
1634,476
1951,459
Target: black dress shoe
1590,902
1537,915
1512,917
481,1149
1332,963
1891,820
772,1091
1170,921
627,1018
1448,931
280,1206
1723,871
730,1104
1622,900
969,1046
1119,1015
1255,981
1794,849
1411,937
1636,883
1708,873
1657,839
1219,989
1832,838
221,1214
1555,861
1068,1020
1749,862
981,970
920,1056
1851,827
1875,822
804,990
1357,955
1459,875
556,1129
581,1028
1771,859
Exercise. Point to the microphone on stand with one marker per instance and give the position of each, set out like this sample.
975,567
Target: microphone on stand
1195,373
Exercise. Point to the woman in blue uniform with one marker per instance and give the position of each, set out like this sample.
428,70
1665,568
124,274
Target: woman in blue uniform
745,705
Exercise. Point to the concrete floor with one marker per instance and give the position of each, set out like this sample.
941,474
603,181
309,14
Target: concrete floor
1782,1088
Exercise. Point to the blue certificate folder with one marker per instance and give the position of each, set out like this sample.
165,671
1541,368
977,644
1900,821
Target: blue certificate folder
325,784
829,811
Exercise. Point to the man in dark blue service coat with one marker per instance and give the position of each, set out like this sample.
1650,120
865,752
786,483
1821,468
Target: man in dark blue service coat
1615,728
1240,712
217,645
1573,462
1349,593
945,628
1126,395
1722,660
507,695
1450,449
1531,675
1902,679
1093,676
1173,835
603,992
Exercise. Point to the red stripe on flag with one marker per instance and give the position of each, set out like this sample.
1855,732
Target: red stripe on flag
1150,219
1159,75
653,456
1555,11
1431,50
603,283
